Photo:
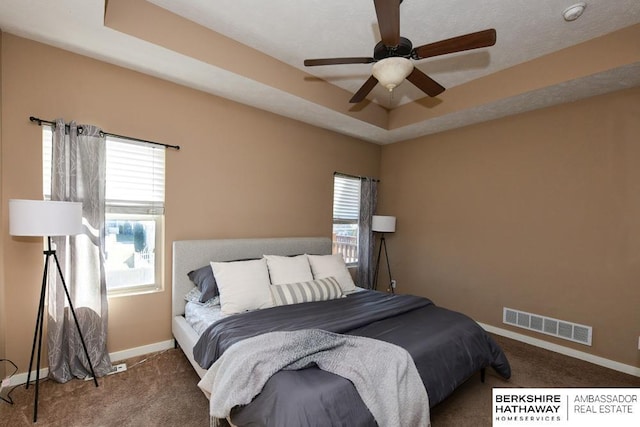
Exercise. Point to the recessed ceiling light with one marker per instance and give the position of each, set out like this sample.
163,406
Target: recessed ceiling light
574,12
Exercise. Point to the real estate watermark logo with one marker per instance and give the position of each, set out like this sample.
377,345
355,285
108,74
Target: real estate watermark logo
566,407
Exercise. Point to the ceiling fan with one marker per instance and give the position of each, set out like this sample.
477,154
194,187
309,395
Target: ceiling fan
393,54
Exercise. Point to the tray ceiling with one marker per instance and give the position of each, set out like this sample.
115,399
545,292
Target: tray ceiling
252,52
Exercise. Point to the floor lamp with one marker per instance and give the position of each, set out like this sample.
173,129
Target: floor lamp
44,218
383,224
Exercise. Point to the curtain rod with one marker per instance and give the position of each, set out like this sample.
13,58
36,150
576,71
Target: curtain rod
346,175
49,122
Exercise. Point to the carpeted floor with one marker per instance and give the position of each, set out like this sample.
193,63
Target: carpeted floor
471,404
162,391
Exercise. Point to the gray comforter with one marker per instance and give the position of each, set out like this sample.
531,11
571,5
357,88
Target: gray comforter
446,346
376,368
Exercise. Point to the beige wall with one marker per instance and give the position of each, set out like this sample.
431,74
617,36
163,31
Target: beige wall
538,212
241,172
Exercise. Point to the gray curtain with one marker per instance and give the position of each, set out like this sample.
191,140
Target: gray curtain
78,175
366,241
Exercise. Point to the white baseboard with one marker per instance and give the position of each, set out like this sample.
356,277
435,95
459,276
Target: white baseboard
21,378
140,351
116,356
596,360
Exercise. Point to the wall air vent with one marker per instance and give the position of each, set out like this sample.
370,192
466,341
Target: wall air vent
548,325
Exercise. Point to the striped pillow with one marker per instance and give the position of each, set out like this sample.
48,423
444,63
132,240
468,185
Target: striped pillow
315,290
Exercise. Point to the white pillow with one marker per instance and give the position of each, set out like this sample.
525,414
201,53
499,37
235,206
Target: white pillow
314,290
288,269
243,285
323,266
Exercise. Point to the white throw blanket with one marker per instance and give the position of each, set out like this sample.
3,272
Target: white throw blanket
383,374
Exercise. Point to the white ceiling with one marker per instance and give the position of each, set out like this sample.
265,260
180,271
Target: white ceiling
291,31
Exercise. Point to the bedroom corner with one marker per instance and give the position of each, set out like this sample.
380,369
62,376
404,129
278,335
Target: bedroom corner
537,212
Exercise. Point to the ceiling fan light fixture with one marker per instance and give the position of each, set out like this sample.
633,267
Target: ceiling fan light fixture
392,71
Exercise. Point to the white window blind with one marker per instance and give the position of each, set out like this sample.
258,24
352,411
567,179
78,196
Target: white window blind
47,144
346,199
135,177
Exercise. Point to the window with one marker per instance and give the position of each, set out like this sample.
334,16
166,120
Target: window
134,212
346,211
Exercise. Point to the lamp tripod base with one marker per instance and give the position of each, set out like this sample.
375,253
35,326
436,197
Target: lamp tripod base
392,283
37,335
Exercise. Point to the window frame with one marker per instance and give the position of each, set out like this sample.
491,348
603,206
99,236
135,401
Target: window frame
158,285
347,217
133,211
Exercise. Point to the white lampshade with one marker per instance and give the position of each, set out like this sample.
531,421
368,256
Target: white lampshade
383,224
44,218
392,71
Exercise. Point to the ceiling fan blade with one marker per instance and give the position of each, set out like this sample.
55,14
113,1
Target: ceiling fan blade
336,61
388,13
425,83
364,90
457,44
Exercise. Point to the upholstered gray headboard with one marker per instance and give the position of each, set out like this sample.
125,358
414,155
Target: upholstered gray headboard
192,254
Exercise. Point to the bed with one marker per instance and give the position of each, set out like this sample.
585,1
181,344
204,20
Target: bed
447,347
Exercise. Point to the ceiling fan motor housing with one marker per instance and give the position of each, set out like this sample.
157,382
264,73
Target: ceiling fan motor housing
404,49
393,55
